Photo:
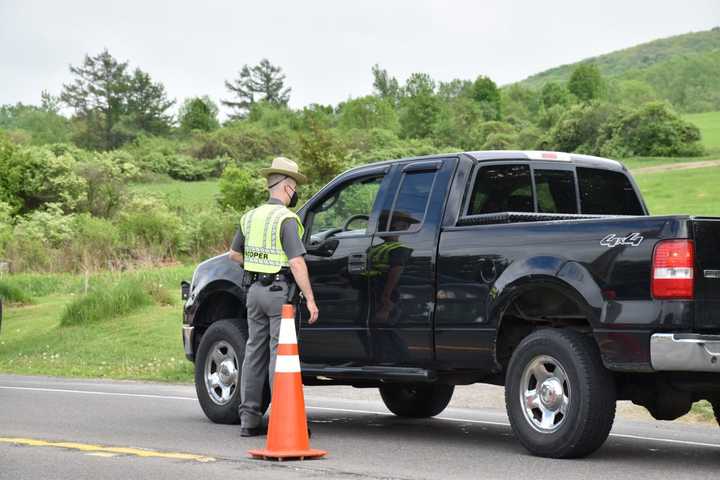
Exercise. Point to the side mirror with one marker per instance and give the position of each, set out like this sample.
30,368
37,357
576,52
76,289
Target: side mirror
326,248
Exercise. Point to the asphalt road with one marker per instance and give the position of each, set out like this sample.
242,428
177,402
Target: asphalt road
56,428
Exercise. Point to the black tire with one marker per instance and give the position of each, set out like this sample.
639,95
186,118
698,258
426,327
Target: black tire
416,401
220,335
588,388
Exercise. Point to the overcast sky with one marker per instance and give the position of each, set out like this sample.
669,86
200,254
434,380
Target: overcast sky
326,48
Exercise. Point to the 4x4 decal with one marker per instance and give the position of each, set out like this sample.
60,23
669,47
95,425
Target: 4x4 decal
612,240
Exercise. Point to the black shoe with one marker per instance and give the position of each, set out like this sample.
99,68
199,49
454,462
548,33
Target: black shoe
253,432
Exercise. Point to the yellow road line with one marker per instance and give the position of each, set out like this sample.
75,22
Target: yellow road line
84,447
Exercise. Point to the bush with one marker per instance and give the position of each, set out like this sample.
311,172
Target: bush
209,231
368,112
95,245
106,187
10,293
243,142
105,302
652,131
499,141
34,176
241,189
183,167
149,229
580,127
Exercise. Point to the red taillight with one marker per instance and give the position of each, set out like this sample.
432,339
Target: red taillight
673,270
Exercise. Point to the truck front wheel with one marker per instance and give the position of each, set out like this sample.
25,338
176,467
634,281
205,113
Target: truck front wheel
218,364
560,399
416,401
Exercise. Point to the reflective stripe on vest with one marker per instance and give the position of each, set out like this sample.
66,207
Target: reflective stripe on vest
379,257
262,228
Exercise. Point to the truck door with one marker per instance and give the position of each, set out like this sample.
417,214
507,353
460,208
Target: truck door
339,226
401,263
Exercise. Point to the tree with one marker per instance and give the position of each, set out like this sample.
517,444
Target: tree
586,82
262,82
386,87
147,104
554,93
368,112
240,189
43,124
49,103
485,92
419,106
321,155
98,95
198,113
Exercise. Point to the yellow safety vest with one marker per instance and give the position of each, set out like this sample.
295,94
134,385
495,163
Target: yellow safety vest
379,257
262,229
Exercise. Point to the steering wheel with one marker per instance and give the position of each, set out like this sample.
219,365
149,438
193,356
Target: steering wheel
353,218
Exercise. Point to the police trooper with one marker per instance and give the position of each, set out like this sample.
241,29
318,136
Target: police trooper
269,246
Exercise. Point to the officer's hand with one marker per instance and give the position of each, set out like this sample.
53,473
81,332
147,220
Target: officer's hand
313,309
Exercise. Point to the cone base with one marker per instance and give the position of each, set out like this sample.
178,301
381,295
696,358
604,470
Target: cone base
287,454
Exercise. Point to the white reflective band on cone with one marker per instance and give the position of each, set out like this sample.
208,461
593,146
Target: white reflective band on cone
287,364
287,332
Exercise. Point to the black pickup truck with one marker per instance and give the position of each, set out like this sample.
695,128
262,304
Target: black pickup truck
539,271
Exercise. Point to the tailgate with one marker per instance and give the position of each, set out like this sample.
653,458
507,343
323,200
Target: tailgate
706,232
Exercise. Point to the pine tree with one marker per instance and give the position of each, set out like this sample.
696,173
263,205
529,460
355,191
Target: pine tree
386,87
262,82
98,96
147,104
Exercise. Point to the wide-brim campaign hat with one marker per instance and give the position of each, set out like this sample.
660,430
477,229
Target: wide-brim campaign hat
284,166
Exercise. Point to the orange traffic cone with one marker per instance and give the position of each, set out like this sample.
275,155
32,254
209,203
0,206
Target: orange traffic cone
287,432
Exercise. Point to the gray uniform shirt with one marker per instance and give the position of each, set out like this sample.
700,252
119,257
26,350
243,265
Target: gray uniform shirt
291,241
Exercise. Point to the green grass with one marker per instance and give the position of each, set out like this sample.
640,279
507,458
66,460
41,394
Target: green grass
43,284
144,345
176,192
692,192
709,125
634,163
10,293
105,302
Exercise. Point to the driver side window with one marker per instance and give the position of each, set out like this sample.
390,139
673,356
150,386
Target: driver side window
346,210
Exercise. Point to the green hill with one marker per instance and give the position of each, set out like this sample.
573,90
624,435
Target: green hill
684,69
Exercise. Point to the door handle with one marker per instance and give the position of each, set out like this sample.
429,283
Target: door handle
357,263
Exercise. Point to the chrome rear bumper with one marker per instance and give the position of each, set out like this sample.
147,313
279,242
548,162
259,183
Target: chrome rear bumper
685,352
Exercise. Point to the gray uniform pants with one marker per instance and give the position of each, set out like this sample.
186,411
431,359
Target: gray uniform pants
263,316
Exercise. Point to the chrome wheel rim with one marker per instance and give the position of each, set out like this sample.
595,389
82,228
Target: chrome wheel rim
545,394
222,372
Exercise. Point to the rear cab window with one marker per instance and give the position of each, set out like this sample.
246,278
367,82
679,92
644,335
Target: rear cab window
542,188
604,192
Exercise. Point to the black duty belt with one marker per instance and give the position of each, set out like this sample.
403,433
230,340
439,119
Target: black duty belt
268,278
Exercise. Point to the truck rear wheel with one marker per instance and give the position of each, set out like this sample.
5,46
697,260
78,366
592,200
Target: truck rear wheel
560,399
416,401
218,365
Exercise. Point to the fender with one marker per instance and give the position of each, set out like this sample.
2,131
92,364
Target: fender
570,278
218,274
216,269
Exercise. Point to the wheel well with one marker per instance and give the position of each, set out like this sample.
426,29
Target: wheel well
217,306
535,308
